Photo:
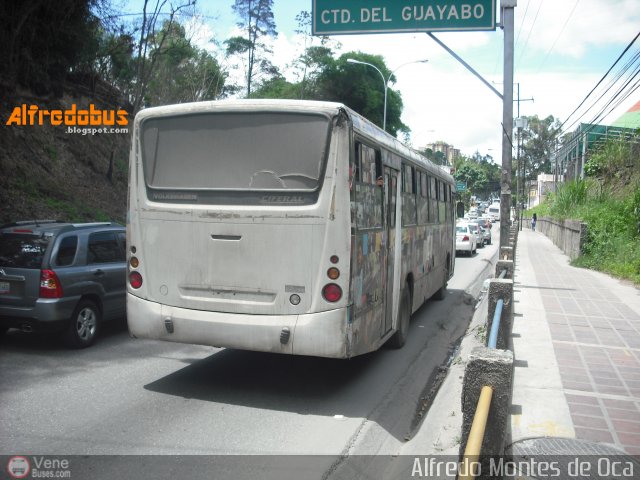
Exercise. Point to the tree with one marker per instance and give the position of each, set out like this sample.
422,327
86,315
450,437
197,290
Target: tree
361,88
480,173
539,141
256,19
337,81
149,47
42,41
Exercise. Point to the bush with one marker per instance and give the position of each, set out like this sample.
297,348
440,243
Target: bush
612,243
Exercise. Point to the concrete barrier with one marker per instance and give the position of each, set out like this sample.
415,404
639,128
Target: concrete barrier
506,253
494,368
568,235
507,265
501,289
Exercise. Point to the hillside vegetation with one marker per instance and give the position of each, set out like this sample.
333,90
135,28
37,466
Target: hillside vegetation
608,201
48,173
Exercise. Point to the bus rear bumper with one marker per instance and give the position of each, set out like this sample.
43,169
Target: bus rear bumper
321,334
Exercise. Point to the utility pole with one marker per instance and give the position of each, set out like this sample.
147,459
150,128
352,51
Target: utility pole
520,123
507,7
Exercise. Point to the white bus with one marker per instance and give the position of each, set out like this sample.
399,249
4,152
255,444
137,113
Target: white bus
282,226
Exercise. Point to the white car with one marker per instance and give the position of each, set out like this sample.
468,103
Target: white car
466,240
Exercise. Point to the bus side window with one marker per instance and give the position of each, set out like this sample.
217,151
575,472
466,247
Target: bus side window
356,164
433,204
369,196
423,200
392,209
408,195
442,206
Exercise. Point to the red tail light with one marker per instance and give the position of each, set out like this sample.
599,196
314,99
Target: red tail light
332,292
135,279
465,238
50,286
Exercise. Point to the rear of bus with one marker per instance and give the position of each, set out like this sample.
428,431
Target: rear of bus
239,226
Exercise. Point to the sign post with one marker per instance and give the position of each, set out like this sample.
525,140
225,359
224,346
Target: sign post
342,17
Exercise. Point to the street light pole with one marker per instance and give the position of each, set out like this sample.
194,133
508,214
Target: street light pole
385,82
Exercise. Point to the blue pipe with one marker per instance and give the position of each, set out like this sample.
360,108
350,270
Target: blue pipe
495,326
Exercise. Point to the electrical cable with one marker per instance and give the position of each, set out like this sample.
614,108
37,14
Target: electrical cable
559,35
602,79
607,90
524,49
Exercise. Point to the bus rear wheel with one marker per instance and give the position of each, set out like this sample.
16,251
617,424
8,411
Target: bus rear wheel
400,337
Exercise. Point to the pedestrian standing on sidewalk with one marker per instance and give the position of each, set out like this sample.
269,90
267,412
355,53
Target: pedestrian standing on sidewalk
534,220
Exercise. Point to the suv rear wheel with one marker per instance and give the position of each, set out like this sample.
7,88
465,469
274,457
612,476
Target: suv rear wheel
84,325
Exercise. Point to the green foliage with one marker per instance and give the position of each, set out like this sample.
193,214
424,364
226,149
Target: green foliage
538,142
52,152
358,86
42,42
183,73
255,18
481,175
74,212
569,197
610,206
612,243
616,158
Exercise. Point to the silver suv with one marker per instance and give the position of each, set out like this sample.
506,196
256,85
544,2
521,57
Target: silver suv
63,277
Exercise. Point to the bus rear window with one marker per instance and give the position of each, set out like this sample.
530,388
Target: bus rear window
235,151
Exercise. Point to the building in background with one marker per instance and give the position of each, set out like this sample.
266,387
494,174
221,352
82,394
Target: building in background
540,189
449,153
569,159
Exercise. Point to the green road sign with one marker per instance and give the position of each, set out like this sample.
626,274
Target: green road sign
340,17
461,186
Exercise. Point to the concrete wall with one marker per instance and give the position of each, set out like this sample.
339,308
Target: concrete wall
568,235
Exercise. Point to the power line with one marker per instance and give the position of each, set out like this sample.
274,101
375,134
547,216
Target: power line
522,23
524,49
601,80
559,35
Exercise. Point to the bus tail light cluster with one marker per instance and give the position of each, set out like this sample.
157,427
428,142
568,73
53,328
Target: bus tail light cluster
50,286
135,277
332,292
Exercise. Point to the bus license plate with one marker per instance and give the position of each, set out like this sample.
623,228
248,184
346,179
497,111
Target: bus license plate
5,287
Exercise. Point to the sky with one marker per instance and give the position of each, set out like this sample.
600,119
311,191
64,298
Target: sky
562,50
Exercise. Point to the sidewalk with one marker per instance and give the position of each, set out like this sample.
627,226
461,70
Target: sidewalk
576,339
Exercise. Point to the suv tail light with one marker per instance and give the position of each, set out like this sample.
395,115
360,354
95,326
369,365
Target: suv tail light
465,238
50,286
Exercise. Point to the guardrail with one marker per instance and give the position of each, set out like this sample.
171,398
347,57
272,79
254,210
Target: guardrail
486,393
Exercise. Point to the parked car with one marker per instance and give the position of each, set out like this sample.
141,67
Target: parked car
65,277
485,226
466,240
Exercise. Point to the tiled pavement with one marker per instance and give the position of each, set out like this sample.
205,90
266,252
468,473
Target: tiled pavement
594,322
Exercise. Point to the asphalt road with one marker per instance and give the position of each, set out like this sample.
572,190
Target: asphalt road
125,396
